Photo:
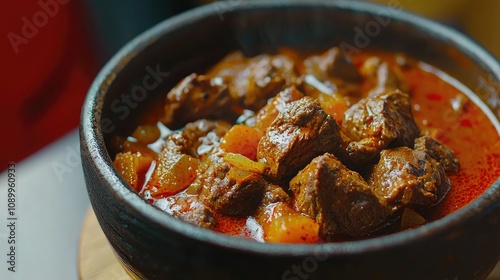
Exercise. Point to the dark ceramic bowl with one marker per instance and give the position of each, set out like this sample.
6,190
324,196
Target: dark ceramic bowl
155,245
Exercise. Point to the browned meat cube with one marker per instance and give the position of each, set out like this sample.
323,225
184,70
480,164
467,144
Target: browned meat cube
274,106
231,191
196,97
264,77
405,177
438,151
259,79
386,78
273,195
332,64
377,122
204,135
298,134
228,66
189,209
339,199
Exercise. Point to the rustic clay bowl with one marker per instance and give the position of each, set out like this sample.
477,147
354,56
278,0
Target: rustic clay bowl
155,245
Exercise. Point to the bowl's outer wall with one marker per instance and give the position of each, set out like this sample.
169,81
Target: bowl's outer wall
465,250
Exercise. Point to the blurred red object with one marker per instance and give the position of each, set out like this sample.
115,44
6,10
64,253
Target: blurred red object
47,68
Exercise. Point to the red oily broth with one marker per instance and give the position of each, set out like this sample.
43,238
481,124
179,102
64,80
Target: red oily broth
442,108
470,133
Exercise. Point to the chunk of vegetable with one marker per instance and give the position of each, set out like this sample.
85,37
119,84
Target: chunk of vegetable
331,101
292,229
238,175
131,166
136,147
244,163
242,139
333,104
174,173
146,134
411,219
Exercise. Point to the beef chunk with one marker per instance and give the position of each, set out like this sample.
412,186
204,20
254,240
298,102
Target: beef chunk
229,66
331,73
438,151
203,136
385,77
252,81
197,139
213,165
274,194
405,177
275,202
339,199
274,106
189,209
377,122
332,65
298,134
196,97
231,191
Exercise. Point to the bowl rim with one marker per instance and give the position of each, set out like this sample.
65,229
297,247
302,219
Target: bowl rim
93,146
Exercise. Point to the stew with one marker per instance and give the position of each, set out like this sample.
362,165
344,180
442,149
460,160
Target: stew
305,148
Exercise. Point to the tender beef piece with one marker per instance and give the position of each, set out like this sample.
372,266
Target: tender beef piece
386,78
213,165
204,135
438,151
274,194
377,122
275,201
229,66
298,134
189,209
338,199
176,143
254,80
197,139
231,191
331,73
405,177
274,106
332,64
197,97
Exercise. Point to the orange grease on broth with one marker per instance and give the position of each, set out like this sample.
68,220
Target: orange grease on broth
470,134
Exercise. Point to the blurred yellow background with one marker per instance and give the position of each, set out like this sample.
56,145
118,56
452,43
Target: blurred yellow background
480,19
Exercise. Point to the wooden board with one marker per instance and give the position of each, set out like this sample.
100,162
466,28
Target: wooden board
97,260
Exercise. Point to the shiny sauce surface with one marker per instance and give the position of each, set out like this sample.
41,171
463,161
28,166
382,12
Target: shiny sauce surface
440,109
444,112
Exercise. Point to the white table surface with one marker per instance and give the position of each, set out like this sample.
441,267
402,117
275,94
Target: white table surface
50,210
51,204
